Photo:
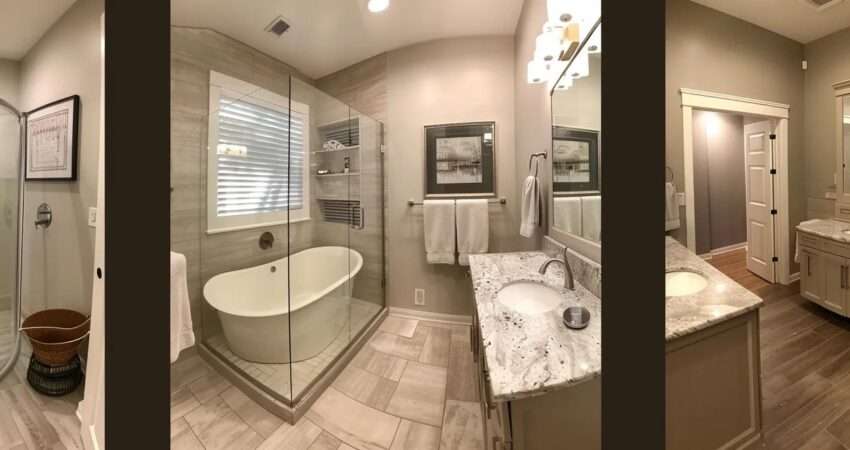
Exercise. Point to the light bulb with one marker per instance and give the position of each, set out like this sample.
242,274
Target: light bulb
377,6
561,11
536,72
580,66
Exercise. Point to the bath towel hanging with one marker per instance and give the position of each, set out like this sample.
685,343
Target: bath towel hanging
439,217
473,228
532,211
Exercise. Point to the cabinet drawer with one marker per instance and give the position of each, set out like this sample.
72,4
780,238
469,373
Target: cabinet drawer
807,240
836,248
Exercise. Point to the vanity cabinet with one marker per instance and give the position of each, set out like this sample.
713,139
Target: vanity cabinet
824,267
569,417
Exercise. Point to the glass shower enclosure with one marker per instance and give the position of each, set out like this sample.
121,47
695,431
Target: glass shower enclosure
11,202
292,230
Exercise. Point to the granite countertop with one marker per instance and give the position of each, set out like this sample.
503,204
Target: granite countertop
530,354
721,300
826,228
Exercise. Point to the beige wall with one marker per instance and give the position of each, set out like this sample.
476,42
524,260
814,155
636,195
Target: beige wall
444,81
828,62
58,261
712,51
719,184
9,75
532,107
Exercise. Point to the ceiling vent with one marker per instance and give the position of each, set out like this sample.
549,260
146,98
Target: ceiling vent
279,26
821,5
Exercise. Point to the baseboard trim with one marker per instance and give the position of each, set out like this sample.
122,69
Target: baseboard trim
794,277
432,316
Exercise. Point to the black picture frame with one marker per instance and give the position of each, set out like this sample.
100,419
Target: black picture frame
471,176
73,105
578,136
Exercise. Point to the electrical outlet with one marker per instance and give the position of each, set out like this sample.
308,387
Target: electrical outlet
92,216
419,296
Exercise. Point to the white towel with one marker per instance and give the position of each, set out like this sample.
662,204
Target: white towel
591,217
473,228
567,214
439,231
671,207
530,212
182,336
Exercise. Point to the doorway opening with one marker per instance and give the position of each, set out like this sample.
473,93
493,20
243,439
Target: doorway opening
736,178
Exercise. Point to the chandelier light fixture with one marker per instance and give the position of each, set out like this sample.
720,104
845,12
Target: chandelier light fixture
568,23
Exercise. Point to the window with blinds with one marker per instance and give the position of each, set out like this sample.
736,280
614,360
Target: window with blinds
258,158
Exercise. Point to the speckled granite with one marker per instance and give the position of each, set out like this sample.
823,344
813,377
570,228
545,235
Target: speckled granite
529,355
721,300
826,228
586,272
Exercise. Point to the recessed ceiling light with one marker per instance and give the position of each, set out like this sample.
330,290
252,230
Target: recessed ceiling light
378,5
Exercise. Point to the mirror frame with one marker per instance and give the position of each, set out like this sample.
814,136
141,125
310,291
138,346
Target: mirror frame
586,247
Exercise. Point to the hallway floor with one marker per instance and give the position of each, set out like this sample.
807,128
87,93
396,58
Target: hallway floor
805,356
412,386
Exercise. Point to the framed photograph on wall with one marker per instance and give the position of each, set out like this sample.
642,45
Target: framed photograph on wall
51,141
575,160
459,160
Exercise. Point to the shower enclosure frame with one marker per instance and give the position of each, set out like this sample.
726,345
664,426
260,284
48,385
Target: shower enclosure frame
15,304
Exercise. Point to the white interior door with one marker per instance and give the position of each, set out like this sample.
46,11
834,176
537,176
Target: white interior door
759,182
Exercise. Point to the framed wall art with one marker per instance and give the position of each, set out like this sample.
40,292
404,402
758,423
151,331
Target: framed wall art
51,141
460,160
575,160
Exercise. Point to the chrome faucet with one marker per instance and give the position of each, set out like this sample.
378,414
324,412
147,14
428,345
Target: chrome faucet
568,271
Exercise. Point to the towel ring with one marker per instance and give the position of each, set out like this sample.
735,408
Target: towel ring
670,171
533,156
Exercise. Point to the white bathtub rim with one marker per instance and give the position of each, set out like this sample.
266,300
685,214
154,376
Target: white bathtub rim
283,309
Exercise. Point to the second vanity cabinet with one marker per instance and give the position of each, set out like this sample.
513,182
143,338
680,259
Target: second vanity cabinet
825,272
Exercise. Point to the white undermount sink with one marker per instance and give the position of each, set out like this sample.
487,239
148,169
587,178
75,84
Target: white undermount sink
683,282
529,297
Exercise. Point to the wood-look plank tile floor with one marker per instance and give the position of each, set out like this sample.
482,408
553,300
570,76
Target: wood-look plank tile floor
32,421
402,390
805,355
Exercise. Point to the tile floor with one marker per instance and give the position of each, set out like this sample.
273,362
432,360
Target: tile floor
277,376
412,386
31,421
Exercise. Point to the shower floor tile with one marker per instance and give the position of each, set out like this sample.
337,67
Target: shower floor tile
289,380
431,402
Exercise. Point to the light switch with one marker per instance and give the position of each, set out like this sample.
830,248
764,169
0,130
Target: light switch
92,216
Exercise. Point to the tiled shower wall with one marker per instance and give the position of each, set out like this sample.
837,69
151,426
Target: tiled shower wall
194,52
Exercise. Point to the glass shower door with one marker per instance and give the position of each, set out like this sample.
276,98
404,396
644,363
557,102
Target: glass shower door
10,152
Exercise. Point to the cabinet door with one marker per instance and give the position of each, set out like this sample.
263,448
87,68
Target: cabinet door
834,293
811,275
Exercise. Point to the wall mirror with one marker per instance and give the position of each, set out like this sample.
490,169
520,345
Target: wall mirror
575,189
842,151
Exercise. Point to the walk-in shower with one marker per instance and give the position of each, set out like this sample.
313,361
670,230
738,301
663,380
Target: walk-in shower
277,203
11,204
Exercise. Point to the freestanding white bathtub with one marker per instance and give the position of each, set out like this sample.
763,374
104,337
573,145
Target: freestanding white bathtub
256,310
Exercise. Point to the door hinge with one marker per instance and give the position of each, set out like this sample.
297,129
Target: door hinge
773,171
772,136
775,259
773,211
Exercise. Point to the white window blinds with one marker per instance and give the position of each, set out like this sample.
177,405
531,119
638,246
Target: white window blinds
256,170
258,157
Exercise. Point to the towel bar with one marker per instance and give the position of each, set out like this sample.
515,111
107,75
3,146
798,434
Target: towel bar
500,200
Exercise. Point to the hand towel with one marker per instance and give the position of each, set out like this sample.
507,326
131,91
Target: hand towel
182,336
671,209
473,228
567,214
591,217
439,216
530,211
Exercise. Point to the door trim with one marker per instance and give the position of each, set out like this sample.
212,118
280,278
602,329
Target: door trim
703,100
